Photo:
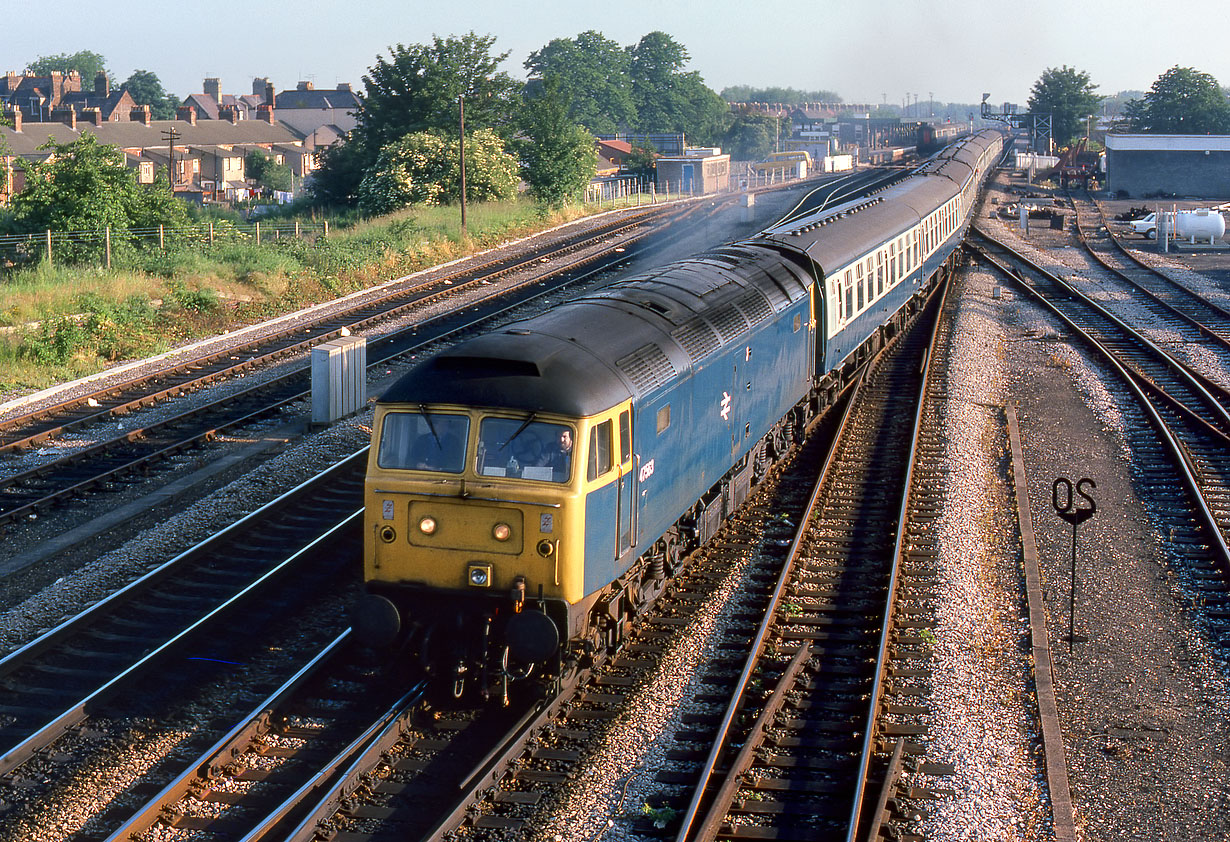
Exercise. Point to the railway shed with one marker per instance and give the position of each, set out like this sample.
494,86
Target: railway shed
1148,165
698,171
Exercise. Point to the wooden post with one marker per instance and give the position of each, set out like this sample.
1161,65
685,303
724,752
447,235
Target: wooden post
49,248
258,232
296,229
326,228
107,241
211,232
162,245
461,118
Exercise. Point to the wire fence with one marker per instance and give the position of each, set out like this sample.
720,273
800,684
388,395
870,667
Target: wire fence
98,244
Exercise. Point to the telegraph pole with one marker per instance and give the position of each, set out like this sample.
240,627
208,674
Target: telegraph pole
461,112
171,135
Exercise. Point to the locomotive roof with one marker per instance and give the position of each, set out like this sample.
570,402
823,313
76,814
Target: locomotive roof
622,340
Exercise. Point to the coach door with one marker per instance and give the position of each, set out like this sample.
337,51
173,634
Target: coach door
625,508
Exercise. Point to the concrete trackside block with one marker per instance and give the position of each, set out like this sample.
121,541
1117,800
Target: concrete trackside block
339,378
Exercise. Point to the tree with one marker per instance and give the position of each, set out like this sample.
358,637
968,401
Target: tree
1069,97
592,73
146,89
666,98
558,156
752,136
85,185
86,63
416,90
642,161
338,174
266,172
424,168
786,96
1182,101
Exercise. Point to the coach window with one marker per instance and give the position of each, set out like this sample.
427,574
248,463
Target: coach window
858,271
599,450
879,273
849,294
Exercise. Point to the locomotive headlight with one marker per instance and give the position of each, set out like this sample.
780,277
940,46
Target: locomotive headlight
479,575
427,526
501,532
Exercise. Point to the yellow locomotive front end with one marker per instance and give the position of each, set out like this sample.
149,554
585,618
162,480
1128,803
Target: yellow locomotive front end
473,540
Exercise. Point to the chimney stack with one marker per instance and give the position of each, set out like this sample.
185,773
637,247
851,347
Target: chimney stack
102,85
141,114
271,98
187,113
229,113
305,86
65,115
258,85
16,115
213,88
93,116
343,86
265,112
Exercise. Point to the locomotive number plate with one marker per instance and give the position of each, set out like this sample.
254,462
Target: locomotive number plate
386,509
546,522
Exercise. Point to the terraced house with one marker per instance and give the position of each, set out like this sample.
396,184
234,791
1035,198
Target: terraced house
205,157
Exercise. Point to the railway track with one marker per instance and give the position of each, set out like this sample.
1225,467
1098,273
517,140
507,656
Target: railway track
1194,316
1182,431
290,549
815,746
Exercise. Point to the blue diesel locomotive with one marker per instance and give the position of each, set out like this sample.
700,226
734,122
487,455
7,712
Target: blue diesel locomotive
530,490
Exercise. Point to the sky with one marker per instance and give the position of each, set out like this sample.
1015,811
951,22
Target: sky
868,51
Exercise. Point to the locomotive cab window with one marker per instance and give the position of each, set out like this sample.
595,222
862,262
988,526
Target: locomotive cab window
423,441
625,436
524,448
599,450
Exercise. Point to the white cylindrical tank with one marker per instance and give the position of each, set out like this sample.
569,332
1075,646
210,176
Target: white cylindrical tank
1200,224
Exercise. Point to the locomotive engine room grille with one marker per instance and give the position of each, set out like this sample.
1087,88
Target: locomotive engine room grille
697,338
648,367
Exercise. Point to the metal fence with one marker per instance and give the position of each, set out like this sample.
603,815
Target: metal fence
20,249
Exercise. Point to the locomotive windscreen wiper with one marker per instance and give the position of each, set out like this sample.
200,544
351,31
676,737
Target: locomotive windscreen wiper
520,430
431,426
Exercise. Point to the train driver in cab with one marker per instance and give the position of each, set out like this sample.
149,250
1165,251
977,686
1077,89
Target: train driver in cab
559,458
